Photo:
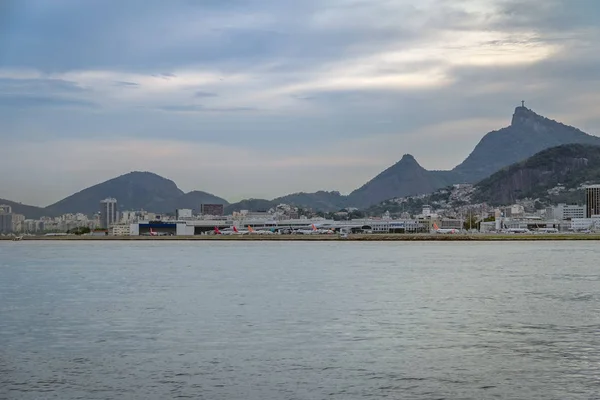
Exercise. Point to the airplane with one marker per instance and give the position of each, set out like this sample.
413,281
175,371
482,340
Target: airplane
260,232
238,232
517,230
224,233
313,231
322,231
230,231
154,233
437,229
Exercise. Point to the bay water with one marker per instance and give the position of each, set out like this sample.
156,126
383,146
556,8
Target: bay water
299,320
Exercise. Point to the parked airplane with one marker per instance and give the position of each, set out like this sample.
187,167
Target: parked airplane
259,232
547,230
517,230
225,232
238,232
313,231
322,231
155,233
437,229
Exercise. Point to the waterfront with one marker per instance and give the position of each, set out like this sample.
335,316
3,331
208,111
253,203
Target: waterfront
333,237
299,320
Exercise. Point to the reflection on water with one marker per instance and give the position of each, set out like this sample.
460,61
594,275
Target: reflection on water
299,320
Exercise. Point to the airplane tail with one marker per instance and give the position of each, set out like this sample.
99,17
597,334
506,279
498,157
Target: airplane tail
435,226
250,229
217,231
314,228
235,229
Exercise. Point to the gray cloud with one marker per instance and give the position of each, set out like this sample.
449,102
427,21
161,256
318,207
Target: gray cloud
201,94
297,77
33,101
28,85
126,84
192,108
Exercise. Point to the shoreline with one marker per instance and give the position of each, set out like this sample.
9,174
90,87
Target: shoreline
327,238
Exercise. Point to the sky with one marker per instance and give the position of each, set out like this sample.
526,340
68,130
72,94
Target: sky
261,98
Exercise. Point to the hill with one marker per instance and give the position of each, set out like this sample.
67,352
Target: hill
528,134
405,178
30,212
318,201
251,205
133,191
569,166
191,200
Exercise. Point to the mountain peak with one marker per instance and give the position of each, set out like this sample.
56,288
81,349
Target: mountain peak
528,134
408,159
140,174
523,116
134,191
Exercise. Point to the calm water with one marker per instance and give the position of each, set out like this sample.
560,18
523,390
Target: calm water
299,320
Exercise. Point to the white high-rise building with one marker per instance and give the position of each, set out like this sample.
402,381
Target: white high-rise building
108,213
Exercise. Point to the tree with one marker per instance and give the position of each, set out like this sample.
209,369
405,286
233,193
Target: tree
82,230
470,222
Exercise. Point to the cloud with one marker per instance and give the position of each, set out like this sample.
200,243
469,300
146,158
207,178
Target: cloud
13,85
126,84
30,101
302,80
202,94
192,108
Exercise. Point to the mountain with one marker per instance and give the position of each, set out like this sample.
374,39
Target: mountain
318,201
569,165
405,178
31,212
191,200
528,134
321,200
133,191
251,205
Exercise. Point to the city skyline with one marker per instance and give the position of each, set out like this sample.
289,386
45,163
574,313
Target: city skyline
268,98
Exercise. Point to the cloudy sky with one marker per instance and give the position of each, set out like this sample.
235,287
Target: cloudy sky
260,98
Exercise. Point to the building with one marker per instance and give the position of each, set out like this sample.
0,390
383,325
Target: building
585,224
183,213
10,222
514,211
212,209
592,200
120,230
448,223
5,209
6,225
108,212
563,212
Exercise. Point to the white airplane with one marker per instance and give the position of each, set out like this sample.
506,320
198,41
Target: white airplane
232,231
314,231
154,233
437,229
517,230
236,231
259,232
547,230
